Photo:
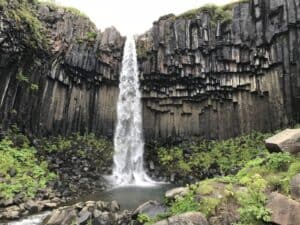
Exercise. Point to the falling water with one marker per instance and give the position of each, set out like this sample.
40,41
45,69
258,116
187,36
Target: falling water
128,139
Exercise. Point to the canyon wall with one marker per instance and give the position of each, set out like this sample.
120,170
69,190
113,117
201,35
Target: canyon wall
59,74
221,72
212,72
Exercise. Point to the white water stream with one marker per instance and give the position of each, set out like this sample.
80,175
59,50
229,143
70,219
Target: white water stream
128,139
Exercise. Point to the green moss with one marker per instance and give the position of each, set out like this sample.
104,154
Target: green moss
22,78
141,50
205,187
217,13
25,17
71,10
3,4
34,87
24,81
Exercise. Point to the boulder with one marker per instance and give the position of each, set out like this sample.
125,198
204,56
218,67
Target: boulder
65,215
226,213
180,191
12,212
285,211
84,215
295,186
189,218
114,206
151,208
285,141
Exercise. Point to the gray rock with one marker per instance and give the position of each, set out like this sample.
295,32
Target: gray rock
11,212
285,141
173,193
12,172
64,215
285,211
189,218
150,208
295,186
114,206
84,215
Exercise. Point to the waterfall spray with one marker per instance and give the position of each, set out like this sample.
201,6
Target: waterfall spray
128,139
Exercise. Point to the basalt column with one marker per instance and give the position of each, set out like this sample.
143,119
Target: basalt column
218,73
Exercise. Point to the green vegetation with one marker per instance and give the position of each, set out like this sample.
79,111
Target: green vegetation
256,174
252,202
217,13
21,171
224,157
3,4
24,15
141,49
24,80
98,150
89,37
34,87
184,204
71,10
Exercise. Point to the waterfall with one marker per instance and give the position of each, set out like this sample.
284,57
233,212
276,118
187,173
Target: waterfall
128,139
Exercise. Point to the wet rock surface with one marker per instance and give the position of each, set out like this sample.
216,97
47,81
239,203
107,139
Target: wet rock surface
150,208
91,212
18,207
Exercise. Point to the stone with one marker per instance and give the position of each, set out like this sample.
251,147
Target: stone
114,206
285,141
151,165
12,172
66,215
285,211
173,193
84,215
103,219
11,212
295,186
189,218
150,208
6,202
32,206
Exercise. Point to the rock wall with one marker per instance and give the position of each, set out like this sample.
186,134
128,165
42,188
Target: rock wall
202,73
66,81
205,75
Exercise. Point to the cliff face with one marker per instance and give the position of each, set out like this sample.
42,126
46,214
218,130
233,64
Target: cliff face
214,72
204,74
58,73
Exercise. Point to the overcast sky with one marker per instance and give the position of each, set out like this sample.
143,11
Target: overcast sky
132,16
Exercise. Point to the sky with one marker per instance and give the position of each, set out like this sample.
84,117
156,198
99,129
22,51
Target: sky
133,16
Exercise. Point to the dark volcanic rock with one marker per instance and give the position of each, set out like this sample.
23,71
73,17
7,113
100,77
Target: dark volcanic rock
200,75
64,82
203,76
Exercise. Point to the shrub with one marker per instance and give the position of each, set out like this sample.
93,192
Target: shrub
29,174
184,204
223,157
252,202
